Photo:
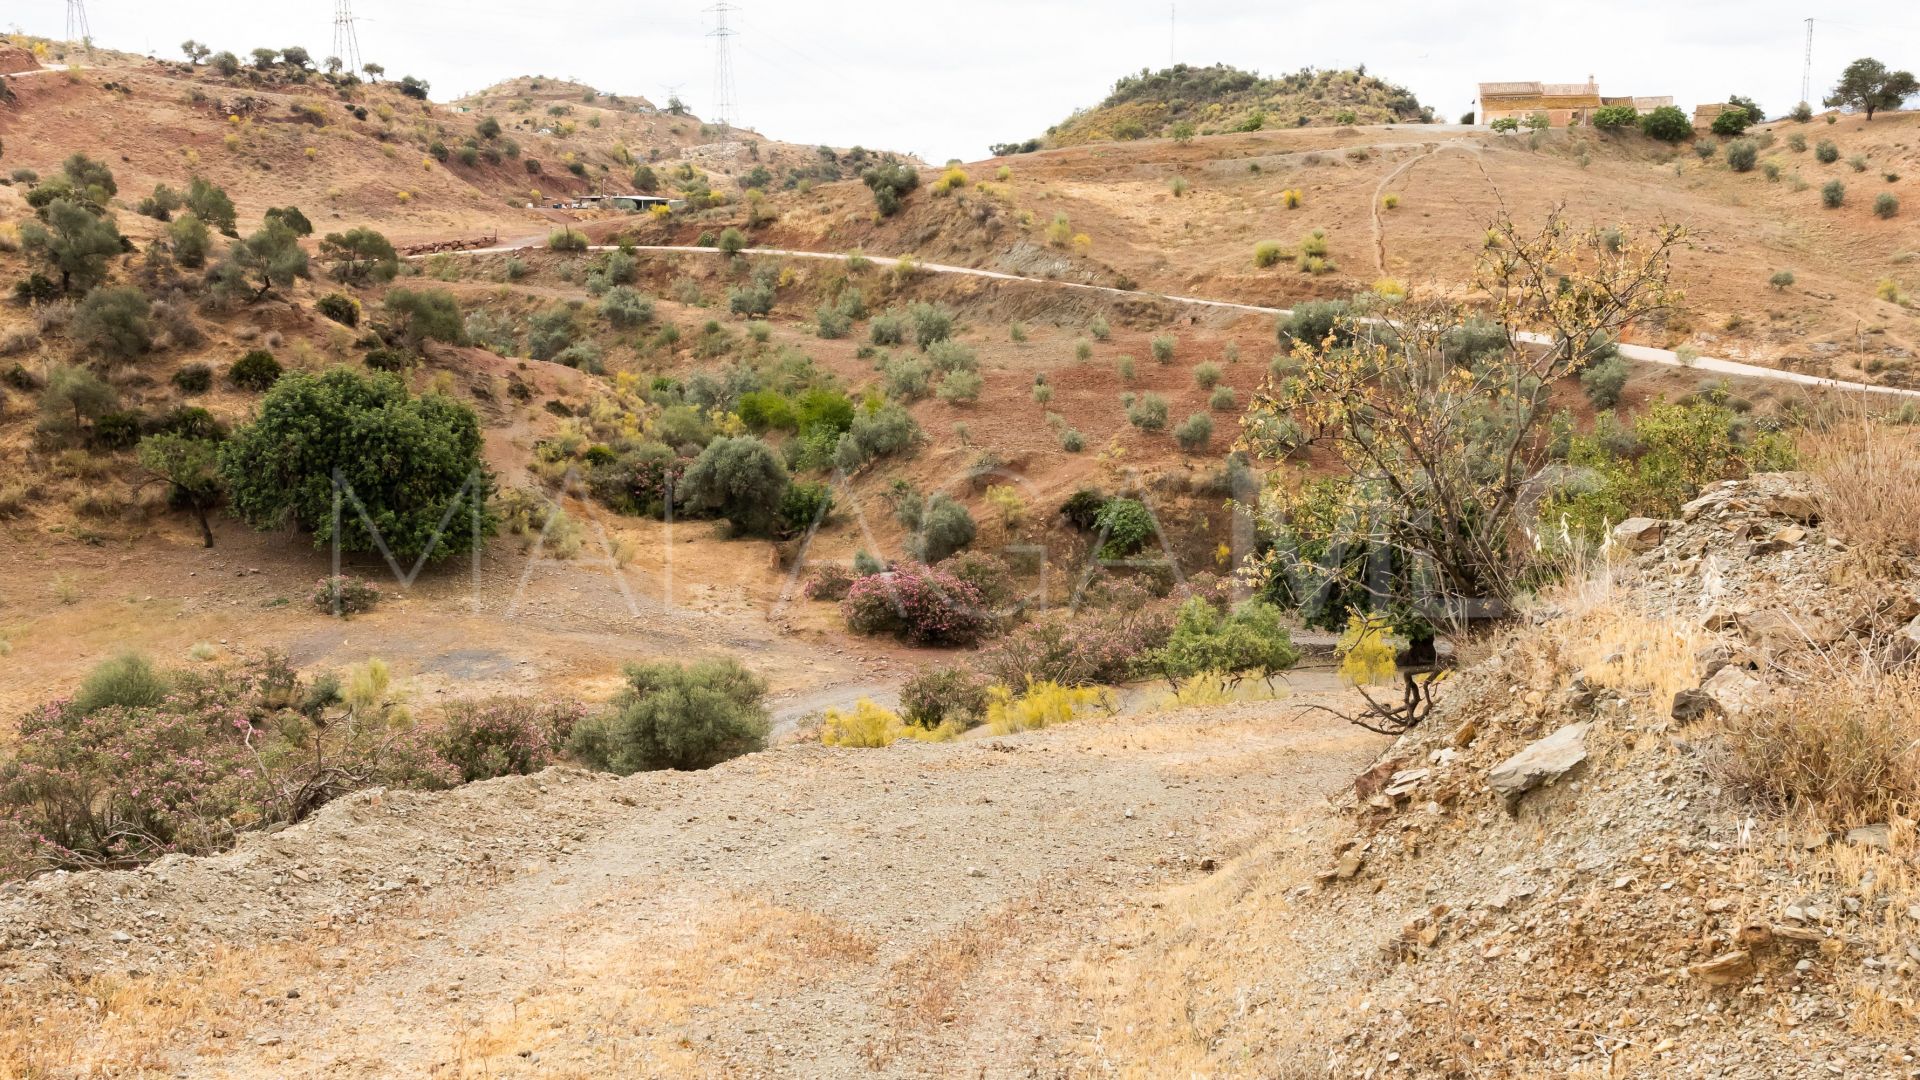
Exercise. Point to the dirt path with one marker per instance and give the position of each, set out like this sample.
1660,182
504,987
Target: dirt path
1642,353
916,911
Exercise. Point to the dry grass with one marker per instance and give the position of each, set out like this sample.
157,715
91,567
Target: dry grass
1845,744
1869,475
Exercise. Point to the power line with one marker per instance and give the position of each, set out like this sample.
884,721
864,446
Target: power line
346,41
78,32
725,105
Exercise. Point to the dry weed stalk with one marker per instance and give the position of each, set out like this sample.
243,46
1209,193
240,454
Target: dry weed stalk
1868,473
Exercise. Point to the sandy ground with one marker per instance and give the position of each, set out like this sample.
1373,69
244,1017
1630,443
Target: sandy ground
916,911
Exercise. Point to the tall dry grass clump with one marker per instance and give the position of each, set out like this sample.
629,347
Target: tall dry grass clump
1868,475
1845,744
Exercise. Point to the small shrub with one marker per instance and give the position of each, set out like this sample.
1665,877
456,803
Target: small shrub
828,581
942,696
1825,152
1126,525
1222,400
1833,194
193,379
871,727
673,716
1885,205
1041,705
1742,154
1842,746
1390,201
960,388
1797,143
257,370
1781,280
1604,381
1858,163
1099,329
565,239
484,740
1162,347
1148,413
344,596
1072,441
127,681
1194,433
1266,253
1206,376
339,307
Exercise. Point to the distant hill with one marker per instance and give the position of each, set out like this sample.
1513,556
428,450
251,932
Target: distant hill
1220,98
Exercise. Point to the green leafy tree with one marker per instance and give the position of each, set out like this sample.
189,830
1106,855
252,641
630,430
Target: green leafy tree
75,242
741,479
360,255
210,204
1615,117
77,391
1868,86
90,179
271,257
890,183
1755,114
291,217
1731,122
413,466
190,467
114,322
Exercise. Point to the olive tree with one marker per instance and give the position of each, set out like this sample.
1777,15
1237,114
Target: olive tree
360,255
190,468
741,479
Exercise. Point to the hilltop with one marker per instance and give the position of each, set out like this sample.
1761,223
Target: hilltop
1219,98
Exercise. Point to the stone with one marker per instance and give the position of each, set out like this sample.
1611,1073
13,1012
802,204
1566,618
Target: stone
1402,783
1691,705
1873,836
1906,640
1541,762
1796,503
1640,533
1734,691
1725,969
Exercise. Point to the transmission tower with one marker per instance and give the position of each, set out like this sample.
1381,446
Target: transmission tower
78,32
346,40
1806,70
725,106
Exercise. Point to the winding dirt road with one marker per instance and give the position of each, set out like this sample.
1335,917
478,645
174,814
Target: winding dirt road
1642,353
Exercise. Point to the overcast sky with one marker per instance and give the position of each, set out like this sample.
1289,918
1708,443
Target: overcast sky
945,79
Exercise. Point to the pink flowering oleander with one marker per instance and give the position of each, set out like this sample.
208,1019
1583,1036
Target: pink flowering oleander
918,604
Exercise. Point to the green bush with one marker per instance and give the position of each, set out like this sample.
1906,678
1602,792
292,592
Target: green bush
741,479
1667,124
1825,152
1833,194
887,430
126,681
1885,205
1148,413
1732,122
360,255
1194,433
417,317
1206,376
1252,639
339,307
888,328
945,528
1742,154
960,388
341,596
751,299
907,378
1603,381
1099,328
1315,321
1781,279
931,323
281,469
890,182
193,379
565,239
257,370
1222,400
113,322
1162,347
625,308
1125,526
1266,253
804,507
731,242
673,716
766,410
830,323
1797,143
